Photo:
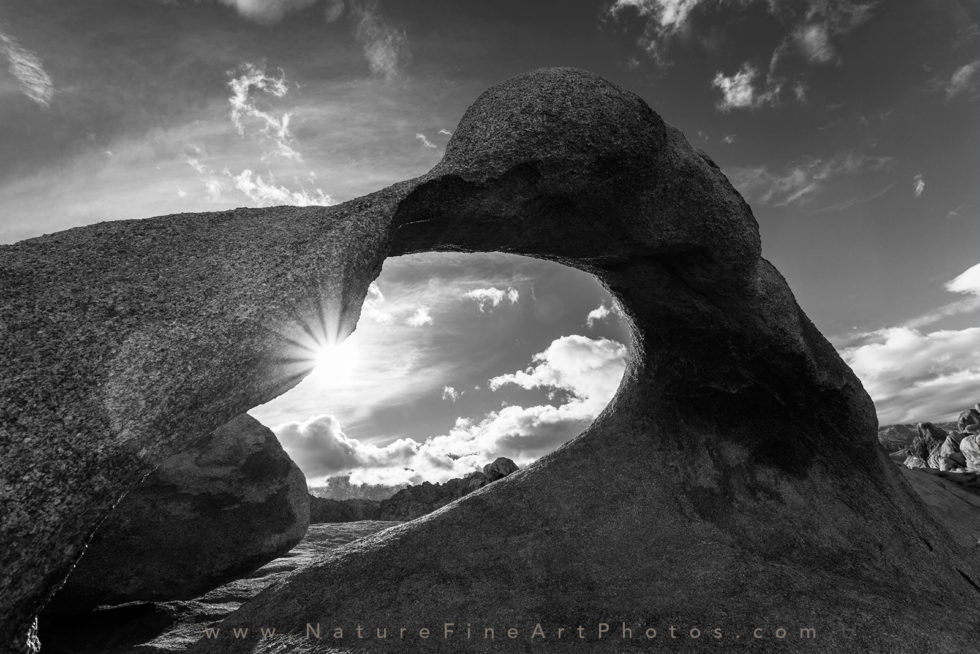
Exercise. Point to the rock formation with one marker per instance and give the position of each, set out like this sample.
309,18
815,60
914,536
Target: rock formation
324,510
499,468
733,481
213,513
412,502
953,446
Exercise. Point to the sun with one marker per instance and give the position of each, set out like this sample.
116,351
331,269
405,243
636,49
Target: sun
335,361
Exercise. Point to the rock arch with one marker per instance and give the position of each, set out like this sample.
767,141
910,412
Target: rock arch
732,482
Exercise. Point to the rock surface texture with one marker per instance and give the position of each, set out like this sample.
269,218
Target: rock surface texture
213,513
734,481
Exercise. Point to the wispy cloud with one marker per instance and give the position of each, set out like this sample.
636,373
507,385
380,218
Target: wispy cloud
450,393
26,66
742,89
963,80
385,46
664,20
425,141
246,84
267,193
489,298
814,25
918,185
799,181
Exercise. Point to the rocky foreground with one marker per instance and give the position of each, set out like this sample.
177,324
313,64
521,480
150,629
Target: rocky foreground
171,627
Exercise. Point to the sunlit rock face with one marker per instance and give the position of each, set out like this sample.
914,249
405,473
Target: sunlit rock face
215,512
732,483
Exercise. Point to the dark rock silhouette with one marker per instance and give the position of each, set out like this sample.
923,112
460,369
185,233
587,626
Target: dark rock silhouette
215,512
499,468
734,480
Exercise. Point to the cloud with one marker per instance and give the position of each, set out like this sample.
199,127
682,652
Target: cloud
963,80
419,318
664,20
385,46
269,194
589,369
739,91
213,189
320,448
445,132
372,306
815,24
246,86
584,372
814,41
728,139
801,180
488,298
26,66
600,313
914,375
918,185
426,142
266,12
966,282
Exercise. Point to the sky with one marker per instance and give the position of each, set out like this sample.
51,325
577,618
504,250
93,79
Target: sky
851,127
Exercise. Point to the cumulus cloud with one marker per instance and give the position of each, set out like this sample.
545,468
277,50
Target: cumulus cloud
269,194
600,313
35,83
419,318
320,448
915,375
918,185
801,180
966,282
247,84
489,298
742,90
425,141
963,80
584,372
589,369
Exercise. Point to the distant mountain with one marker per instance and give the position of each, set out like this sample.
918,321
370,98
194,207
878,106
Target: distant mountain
340,488
408,503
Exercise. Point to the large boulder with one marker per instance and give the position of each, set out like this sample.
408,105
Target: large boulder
499,468
969,418
970,447
215,512
734,480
